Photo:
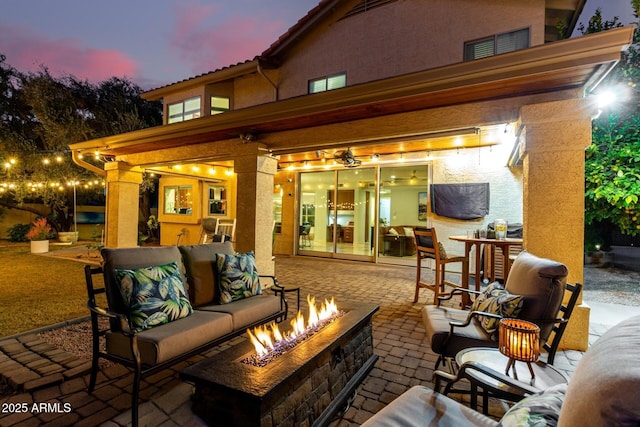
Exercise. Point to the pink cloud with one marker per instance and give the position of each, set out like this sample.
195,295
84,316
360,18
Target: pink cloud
205,47
27,51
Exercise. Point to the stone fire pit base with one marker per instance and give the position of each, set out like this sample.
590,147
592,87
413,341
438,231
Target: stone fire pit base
306,386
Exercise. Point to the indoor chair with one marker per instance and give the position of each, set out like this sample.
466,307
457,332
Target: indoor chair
304,235
428,247
541,284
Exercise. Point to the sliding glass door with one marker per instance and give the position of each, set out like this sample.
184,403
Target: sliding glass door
337,213
362,213
402,205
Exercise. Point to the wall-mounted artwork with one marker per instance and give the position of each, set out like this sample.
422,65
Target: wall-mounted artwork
422,206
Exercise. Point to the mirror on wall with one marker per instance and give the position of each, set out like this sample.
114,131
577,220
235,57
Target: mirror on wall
277,208
178,199
217,200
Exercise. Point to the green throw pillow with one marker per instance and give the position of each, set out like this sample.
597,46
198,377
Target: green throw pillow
238,277
541,409
496,300
154,295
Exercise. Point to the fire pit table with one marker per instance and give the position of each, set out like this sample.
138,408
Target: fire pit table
307,384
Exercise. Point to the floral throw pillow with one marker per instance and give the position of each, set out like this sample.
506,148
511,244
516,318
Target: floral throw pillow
496,300
443,251
541,409
154,295
238,276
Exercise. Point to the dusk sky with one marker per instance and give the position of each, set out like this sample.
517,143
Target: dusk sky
157,42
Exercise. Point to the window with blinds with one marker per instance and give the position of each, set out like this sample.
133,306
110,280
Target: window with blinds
499,43
322,84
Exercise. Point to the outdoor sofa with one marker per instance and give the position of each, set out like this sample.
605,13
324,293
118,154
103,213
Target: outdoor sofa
166,304
603,391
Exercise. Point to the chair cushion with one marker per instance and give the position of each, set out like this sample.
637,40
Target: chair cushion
200,265
421,406
154,295
605,388
496,300
540,409
436,322
542,284
238,277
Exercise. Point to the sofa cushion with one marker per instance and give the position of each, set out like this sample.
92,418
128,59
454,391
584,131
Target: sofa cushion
604,390
132,258
200,265
153,295
248,311
542,284
238,277
160,344
496,300
421,406
540,409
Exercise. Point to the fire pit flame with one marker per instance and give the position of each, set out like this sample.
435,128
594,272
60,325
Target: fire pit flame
269,341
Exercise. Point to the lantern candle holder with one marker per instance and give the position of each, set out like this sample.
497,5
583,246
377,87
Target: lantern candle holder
519,340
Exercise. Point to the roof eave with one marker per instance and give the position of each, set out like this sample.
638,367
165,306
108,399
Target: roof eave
223,74
588,54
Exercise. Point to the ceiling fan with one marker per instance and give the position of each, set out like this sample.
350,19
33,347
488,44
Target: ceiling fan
413,179
347,158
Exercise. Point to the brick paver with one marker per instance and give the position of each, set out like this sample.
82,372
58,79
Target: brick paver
404,357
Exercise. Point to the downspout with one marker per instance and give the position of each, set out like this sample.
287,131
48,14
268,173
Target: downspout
88,166
275,86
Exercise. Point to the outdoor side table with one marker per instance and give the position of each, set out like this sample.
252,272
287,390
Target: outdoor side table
484,368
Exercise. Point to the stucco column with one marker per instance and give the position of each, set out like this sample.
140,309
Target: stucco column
254,213
123,195
555,137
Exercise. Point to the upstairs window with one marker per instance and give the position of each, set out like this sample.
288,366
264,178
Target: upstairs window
323,84
219,104
499,43
184,110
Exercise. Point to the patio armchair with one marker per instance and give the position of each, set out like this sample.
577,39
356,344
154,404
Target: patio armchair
534,291
603,391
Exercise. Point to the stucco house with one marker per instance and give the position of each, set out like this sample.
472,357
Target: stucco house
336,132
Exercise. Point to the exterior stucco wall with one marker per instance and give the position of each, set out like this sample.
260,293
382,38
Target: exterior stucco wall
374,45
254,89
472,166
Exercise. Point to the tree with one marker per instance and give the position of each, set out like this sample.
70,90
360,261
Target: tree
612,163
41,115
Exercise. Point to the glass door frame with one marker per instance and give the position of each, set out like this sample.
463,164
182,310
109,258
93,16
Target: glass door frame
332,251
333,212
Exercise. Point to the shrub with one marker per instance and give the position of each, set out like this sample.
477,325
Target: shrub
17,232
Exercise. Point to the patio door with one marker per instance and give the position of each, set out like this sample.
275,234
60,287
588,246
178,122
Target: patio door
402,205
337,213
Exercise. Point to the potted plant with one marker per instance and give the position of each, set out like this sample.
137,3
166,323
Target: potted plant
39,234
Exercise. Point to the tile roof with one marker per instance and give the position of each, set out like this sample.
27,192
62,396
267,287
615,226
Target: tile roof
284,37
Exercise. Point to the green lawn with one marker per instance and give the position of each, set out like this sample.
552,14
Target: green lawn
38,290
